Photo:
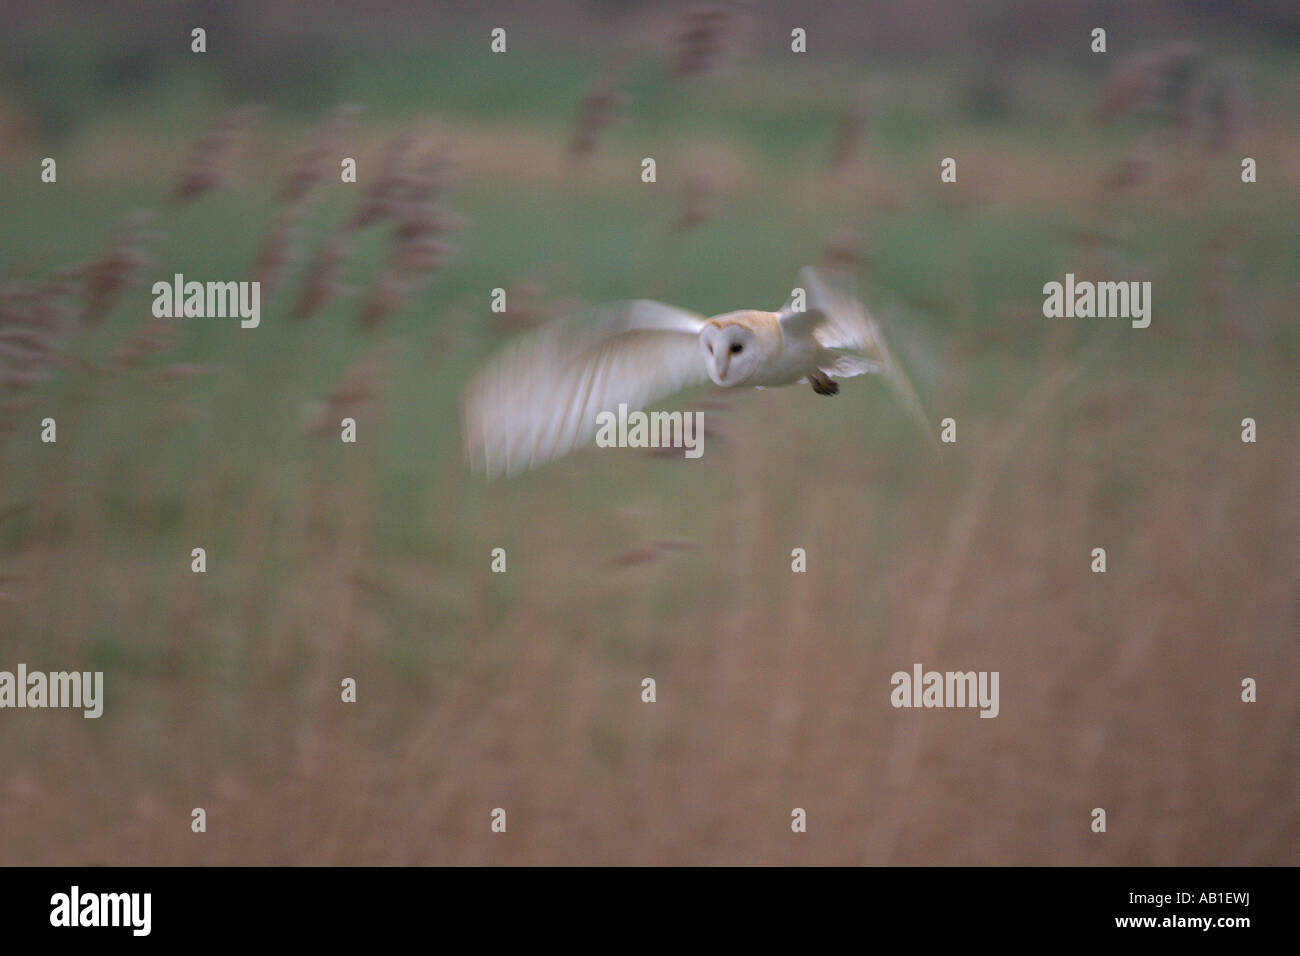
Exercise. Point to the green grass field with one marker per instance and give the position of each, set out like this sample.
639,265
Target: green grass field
477,690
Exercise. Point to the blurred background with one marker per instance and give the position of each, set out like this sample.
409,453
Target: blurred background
521,690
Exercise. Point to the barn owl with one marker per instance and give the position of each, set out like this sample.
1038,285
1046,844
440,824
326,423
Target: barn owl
541,396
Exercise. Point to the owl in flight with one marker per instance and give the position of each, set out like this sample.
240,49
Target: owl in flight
541,395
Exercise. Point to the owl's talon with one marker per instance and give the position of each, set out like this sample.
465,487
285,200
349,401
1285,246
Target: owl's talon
823,384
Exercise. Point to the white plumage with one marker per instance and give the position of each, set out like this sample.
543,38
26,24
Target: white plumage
540,396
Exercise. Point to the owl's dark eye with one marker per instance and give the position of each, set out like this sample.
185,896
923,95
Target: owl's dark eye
737,348
710,348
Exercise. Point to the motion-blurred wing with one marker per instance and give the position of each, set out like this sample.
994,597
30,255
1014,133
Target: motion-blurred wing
539,397
832,314
838,320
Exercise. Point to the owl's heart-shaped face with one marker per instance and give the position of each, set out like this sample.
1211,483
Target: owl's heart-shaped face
731,353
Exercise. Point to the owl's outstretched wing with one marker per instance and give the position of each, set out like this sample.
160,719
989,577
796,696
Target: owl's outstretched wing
539,397
839,322
832,314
